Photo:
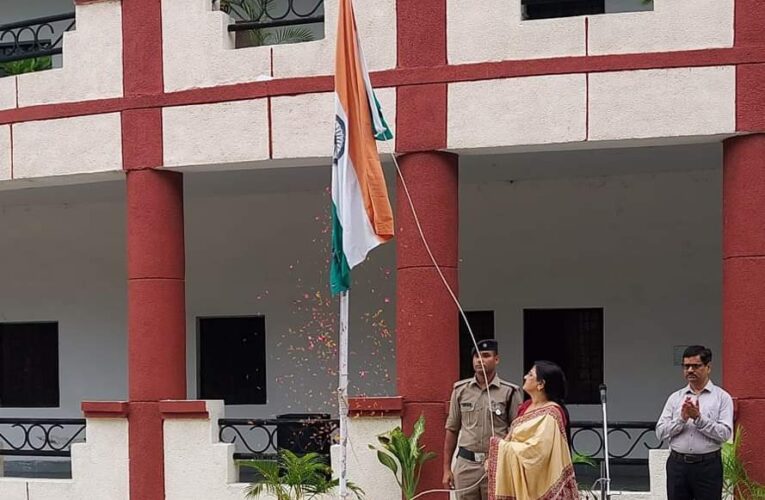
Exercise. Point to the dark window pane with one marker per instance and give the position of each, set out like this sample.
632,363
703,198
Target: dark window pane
546,9
572,338
482,323
29,365
232,359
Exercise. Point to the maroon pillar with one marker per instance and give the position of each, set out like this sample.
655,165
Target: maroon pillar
744,289
427,323
155,247
156,319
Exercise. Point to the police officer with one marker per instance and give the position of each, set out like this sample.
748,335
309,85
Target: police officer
469,424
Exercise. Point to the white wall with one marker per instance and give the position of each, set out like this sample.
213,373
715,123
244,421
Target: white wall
63,259
645,247
99,468
248,252
267,254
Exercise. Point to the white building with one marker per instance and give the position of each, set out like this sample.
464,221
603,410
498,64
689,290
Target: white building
592,182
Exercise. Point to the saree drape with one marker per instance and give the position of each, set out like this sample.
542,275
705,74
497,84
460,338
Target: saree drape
534,463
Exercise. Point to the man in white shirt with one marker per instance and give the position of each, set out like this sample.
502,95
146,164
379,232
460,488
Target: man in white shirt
696,421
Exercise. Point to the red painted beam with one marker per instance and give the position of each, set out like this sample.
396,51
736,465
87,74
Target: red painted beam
105,409
375,406
744,241
427,326
155,247
184,409
142,139
396,78
142,47
744,289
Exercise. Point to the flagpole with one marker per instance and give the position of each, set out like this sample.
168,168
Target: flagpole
342,394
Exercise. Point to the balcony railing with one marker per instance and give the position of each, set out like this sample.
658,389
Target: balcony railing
263,438
262,14
628,442
34,38
274,22
40,437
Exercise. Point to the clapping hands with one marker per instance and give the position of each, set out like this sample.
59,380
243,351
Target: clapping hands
690,409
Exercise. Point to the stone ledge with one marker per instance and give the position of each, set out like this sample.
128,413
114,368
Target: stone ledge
375,406
105,409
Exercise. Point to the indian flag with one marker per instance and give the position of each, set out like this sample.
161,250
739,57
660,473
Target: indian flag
361,212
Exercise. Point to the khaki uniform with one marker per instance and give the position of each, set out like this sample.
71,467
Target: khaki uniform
469,417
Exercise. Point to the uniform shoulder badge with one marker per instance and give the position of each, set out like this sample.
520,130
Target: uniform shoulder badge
508,384
462,382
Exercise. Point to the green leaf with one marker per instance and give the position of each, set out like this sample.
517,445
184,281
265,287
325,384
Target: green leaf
27,65
256,10
736,480
578,458
387,461
294,477
292,34
406,452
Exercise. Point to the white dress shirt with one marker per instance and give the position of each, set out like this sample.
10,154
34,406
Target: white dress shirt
708,432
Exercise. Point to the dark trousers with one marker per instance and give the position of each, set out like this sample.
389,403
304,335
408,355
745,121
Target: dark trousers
697,481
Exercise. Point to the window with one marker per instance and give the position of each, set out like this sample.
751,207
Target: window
482,323
546,9
232,359
572,338
29,365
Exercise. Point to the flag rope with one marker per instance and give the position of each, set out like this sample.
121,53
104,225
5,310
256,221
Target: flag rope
453,297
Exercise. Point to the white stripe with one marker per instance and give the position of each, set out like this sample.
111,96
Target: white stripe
358,235
377,123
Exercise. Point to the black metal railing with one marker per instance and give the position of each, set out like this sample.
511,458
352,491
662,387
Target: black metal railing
628,442
263,438
263,14
40,437
33,38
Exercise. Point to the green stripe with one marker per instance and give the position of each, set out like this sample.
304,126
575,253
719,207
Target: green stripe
339,272
386,134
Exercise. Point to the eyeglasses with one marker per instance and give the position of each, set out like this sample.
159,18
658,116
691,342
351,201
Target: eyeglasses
693,366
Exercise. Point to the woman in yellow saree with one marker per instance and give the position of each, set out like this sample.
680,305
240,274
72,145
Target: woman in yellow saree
533,462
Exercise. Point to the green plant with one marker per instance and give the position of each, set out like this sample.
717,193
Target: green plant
736,481
293,477
255,10
26,65
399,451
578,458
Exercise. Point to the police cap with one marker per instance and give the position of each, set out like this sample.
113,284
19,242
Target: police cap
487,345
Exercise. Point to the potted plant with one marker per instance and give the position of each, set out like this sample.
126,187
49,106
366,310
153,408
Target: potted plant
29,65
736,480
399,452
257,10
293,477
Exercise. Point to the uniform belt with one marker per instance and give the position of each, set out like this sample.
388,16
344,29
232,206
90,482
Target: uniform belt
469,455
690,458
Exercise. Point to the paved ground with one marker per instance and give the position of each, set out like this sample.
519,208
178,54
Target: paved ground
623,477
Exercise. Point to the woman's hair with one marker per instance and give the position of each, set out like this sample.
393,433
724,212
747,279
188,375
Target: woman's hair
555,388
